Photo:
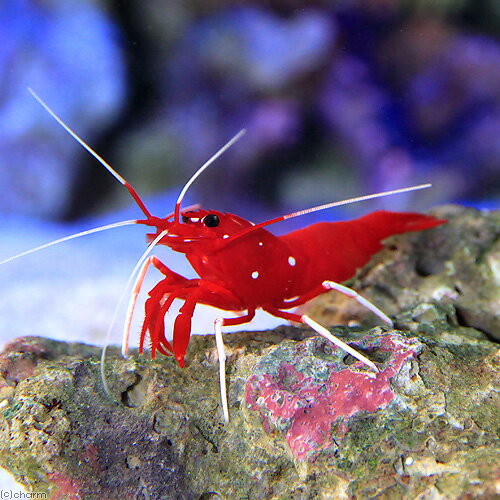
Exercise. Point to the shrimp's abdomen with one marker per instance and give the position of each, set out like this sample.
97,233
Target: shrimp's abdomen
335,250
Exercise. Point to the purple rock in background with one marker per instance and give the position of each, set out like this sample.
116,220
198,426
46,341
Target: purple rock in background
338,100
243,67
69,54
430,117
371,98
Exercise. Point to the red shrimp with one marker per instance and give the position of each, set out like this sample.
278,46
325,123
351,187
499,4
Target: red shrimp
243,267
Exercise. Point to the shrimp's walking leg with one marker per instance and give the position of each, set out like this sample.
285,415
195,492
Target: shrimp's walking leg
306,320
221,353
326,286
214,295
175,278
347,348
156,307
349,292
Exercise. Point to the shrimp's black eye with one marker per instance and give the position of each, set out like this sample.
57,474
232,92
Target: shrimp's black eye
211,220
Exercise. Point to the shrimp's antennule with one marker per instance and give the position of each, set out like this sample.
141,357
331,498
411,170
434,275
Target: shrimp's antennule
202,169
101,160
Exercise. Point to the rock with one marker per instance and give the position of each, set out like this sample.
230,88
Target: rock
306,420
451,274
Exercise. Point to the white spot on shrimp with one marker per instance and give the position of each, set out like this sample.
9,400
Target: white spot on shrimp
195,219
226,236
255,275
292,261
260,243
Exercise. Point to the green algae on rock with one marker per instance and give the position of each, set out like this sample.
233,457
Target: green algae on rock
429,426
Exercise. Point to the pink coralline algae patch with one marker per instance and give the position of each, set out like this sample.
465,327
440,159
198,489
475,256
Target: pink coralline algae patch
304,406
65,488
22,367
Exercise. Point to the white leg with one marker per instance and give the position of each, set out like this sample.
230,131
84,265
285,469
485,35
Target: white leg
325,333
222,366
331,285
131,304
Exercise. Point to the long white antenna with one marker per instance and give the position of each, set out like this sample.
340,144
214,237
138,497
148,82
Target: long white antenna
70,237
324,207
203,168
99,158
118,305
355,200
